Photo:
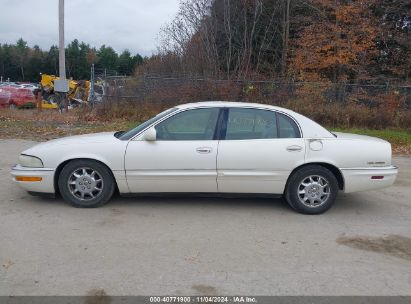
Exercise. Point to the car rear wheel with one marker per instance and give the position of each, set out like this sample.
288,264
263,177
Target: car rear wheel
312,190
86,184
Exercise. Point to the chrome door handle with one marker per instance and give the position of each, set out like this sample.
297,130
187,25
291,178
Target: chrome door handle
294,148
204,150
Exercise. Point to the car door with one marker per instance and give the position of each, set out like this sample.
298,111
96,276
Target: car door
181,159
259,150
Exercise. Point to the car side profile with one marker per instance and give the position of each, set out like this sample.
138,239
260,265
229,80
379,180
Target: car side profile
211,147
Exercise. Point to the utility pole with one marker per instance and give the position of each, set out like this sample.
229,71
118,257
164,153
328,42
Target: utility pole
62,55
61,86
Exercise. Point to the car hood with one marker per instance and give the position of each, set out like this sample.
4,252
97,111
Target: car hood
86,139
341,135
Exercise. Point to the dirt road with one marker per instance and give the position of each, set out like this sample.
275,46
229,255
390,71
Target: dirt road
189,246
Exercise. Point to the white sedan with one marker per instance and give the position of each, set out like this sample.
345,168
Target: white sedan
211,147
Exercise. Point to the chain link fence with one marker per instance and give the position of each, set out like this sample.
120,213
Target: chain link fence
171,89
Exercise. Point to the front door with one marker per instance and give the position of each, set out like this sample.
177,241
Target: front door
181,159
260,149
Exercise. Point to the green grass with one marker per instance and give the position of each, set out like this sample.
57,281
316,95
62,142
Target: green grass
395,137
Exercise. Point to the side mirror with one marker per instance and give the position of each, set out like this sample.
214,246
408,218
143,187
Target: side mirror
150,134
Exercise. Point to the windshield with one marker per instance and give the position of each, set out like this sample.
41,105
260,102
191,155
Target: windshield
129,134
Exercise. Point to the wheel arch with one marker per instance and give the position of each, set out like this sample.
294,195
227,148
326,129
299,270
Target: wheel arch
61,166
334,170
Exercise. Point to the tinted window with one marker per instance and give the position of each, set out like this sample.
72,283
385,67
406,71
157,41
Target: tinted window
197,124
251,124
287,127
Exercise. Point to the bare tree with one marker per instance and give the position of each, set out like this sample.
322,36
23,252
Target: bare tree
231,38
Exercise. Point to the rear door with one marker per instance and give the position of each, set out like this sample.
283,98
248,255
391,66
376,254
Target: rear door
258,151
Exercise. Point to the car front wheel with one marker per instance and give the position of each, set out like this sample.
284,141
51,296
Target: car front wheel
86,183
312,189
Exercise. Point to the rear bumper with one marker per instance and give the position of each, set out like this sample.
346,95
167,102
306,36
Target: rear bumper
360,179
46,185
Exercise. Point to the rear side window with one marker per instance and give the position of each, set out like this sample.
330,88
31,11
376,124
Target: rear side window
251,124
246,123
287,128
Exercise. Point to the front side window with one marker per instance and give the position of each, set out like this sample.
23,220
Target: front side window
196,124
251,124
129,134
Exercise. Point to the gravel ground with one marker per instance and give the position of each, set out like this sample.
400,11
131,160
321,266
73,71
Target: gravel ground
194,246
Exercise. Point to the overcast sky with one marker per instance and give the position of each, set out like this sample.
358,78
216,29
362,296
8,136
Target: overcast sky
122,24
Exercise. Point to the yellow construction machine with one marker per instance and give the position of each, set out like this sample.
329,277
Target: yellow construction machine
77,95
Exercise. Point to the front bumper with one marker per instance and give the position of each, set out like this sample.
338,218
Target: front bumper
361,179
46,185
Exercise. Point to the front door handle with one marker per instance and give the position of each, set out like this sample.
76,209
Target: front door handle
294,148
204,150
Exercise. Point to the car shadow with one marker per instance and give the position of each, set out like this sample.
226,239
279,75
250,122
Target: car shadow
195,201
357,203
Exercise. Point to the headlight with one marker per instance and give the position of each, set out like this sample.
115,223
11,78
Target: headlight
30,161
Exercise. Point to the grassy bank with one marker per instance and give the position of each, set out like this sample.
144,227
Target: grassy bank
395,137
399,139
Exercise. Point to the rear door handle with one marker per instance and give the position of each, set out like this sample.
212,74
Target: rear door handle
294,148
204,150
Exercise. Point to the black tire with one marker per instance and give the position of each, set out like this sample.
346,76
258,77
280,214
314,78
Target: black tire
294,185
54,99
107,184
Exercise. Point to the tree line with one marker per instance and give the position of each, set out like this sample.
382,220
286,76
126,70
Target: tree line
308,40
19,62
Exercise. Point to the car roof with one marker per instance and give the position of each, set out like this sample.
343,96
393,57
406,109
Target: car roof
231,104
309,128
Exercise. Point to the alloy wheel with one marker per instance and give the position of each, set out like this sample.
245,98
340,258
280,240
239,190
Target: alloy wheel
313,191
85,183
